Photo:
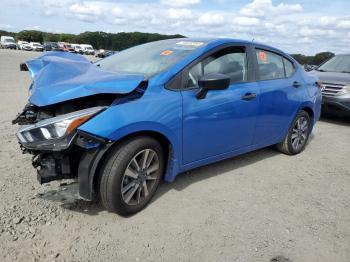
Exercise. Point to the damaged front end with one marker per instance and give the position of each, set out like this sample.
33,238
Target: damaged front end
49,123
53,140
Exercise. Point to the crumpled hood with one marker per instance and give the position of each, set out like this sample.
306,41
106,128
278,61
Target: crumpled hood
62,76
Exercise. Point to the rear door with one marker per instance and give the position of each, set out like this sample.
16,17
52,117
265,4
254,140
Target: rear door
279,91
224,120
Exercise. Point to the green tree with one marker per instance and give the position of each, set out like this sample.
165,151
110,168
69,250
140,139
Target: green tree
321,57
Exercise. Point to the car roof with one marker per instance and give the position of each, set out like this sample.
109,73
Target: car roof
212,42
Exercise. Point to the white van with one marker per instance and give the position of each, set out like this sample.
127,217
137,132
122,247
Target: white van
8,42
78,48
88,49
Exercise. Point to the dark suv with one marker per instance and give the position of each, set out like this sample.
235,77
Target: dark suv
335,75
52,46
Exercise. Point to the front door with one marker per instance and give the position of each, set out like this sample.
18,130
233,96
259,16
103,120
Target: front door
224,120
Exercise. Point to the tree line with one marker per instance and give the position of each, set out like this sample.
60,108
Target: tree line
313,60
120,41
99,40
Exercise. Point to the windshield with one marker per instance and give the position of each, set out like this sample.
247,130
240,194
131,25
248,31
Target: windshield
339,63
78,47
151,58
9,40
88,48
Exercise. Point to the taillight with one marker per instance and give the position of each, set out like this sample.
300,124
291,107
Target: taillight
320,85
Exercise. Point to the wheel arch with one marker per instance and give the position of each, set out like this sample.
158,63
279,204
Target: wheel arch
310,112
93,162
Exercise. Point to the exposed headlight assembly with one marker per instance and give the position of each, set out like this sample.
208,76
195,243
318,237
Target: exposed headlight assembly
55,133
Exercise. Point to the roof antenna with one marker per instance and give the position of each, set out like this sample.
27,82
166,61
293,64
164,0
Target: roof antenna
253,39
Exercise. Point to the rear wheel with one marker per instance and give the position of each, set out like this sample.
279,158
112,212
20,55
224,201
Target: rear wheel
131,175
298,135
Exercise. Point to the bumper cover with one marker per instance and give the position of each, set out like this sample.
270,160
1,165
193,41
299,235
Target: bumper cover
339,104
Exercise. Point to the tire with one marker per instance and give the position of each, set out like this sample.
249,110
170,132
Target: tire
297,136
122,186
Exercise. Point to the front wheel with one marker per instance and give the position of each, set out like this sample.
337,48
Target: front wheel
298,135
131,175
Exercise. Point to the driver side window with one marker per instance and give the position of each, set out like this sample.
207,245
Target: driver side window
229,61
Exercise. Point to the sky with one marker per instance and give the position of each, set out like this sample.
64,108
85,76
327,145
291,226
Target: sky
295,26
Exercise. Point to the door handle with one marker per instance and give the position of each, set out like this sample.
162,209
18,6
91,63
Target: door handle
249,96
296,84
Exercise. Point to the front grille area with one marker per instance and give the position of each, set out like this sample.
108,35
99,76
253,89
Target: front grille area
331,89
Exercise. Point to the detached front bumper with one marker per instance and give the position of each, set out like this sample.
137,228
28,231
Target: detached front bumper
338,105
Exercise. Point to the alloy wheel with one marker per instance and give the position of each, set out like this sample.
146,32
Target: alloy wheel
300,133
140,177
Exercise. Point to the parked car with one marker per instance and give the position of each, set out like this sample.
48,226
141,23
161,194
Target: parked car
88,49
36,46
52,46
78,49
66,47
105,53
335,75
309,67
23,45
121,125
8,42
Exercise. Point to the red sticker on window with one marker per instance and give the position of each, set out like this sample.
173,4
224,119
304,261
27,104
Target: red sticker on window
166,52
263,56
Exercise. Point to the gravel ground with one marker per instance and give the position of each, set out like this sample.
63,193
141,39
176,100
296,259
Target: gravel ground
262,206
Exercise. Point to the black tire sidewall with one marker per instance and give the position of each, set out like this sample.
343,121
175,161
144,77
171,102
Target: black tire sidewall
115,168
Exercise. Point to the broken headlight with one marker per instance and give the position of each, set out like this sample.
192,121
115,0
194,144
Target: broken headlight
55,133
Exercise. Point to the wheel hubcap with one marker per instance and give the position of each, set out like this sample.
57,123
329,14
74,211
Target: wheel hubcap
140,176
300,133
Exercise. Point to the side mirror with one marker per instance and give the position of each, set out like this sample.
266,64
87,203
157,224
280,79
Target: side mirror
212,81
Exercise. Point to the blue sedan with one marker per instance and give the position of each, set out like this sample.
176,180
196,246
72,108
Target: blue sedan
121,125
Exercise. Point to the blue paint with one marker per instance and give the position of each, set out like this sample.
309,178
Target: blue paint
199,131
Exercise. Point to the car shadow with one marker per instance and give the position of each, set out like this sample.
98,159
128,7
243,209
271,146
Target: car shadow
66,194
183,180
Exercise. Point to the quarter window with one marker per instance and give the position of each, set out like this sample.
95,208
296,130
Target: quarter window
270,65
289,67
230,61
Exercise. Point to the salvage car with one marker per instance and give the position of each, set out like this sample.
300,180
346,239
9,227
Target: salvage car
78,49
23,45
8,42
123,124
52,46
36,46
66,47
88,49
335,76
105,53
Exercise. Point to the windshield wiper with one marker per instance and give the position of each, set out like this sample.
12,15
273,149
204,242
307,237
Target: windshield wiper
348,72
320,70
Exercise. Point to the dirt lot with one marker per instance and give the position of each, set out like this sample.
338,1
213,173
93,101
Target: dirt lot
262,206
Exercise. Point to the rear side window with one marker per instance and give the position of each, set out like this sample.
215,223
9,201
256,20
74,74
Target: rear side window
289,67
270,65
